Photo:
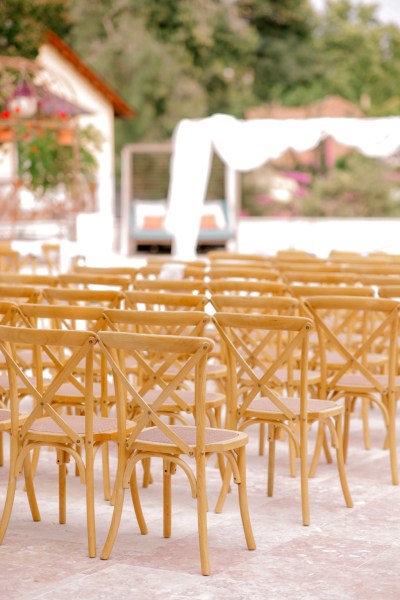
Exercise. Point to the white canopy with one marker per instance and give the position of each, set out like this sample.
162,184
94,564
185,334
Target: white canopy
246,145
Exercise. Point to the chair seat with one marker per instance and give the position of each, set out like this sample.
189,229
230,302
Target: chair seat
356,382
5,419
217,440
336,360
68,389
313,377
213,399
103,427
316,408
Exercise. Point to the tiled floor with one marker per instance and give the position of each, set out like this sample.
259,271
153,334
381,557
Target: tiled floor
344,554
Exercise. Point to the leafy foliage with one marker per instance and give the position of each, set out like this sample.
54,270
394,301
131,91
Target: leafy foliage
357,187
24,22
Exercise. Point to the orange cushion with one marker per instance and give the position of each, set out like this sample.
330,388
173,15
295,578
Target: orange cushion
150,222
208,222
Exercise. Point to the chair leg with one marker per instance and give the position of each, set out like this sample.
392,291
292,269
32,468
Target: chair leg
62,460
391,403
226,484
106,471
305,503
115,523
340,463
346,429
365,404
201,495
90,511
136,504
167,498
147,478
5,519
261,440
243,501
271,459
30,490
317,449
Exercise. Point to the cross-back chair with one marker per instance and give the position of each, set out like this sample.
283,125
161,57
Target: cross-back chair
70,395
180,406
45,425
355,376
256,394
187,447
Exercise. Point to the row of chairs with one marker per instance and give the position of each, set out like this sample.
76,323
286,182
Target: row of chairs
23,335
256,389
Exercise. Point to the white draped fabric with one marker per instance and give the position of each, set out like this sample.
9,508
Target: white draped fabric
247,145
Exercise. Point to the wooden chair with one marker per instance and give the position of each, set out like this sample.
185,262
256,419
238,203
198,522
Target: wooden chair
255,394
356,377
162,323
188,447
70,396
6,317
45,425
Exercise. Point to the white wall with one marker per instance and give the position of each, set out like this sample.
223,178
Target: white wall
318,236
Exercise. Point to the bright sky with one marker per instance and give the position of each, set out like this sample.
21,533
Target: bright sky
388,11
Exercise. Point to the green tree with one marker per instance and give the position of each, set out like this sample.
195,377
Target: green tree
174,59
355,56
284,58
24,23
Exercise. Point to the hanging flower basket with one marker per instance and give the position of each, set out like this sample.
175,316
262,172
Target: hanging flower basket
66,137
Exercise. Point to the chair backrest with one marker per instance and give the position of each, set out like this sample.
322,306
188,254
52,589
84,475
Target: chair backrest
230,256
303,291
252,372
254,304
182,286
77,348
122,270
327,278
389,291
20,293
354,328
146,300
242,272
85,297
34,279
246,287
94,281
59,316
138,347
